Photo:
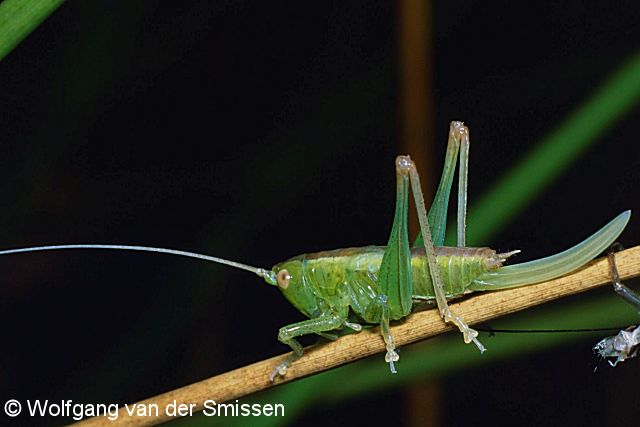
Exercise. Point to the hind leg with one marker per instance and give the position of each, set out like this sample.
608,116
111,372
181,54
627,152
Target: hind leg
406,166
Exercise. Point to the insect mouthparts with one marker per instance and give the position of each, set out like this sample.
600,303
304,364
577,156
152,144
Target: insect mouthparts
268,275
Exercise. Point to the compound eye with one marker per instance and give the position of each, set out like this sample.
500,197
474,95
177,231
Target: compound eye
283,277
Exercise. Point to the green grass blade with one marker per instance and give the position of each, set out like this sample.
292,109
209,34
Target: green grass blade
515,190
18,18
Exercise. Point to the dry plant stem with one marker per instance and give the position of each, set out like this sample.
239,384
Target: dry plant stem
253,378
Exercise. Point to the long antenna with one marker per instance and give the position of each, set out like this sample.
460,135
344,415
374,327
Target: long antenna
266,274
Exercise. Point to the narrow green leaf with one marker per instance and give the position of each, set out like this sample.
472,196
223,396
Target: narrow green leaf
18,18
516,189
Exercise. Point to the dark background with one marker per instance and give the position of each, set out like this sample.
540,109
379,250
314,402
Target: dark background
260,130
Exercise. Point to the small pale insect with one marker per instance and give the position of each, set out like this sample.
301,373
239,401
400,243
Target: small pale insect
626,344
374,285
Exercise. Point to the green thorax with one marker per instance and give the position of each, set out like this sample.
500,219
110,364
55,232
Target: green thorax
349,276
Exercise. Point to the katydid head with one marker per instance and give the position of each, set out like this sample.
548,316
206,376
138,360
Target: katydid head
288,275
290,280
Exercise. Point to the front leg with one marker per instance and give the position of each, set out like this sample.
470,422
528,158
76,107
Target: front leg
287,335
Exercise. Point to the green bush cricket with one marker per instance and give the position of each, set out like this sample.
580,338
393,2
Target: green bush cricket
345,288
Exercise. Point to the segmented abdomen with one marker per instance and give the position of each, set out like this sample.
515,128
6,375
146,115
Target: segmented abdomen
354,271
457,267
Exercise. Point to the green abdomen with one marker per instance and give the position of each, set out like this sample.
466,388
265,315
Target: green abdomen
458,267
352,273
